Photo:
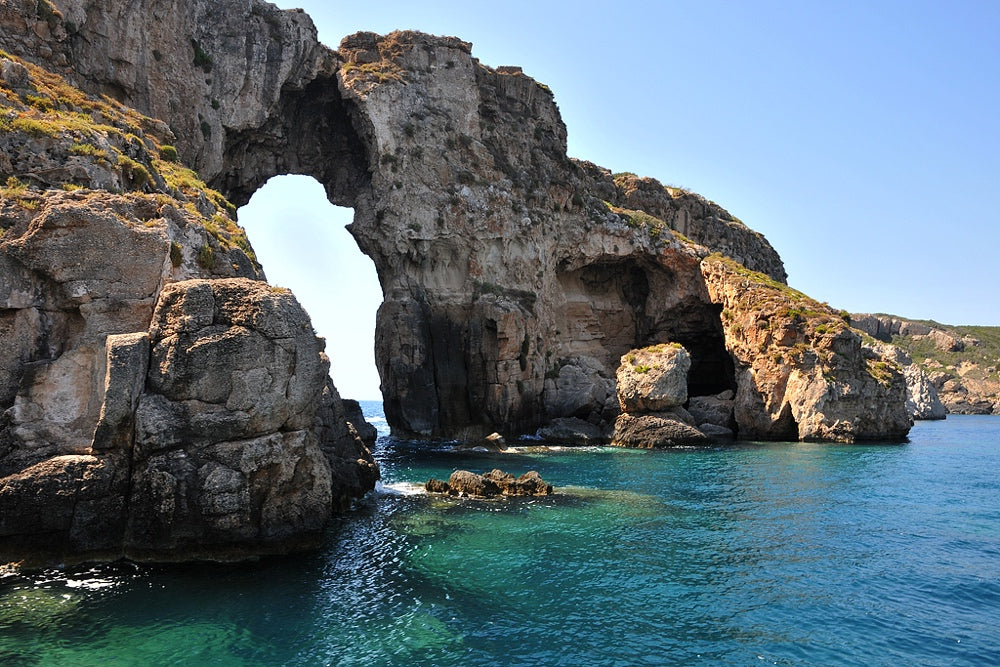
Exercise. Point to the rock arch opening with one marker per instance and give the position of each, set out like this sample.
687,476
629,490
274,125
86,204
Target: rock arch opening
301,241
631,303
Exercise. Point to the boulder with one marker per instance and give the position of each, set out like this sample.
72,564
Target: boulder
714,410
572,431
653,379
661,429
716,432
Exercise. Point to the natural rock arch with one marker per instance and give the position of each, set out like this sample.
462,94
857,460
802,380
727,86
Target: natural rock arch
302,241
464,196
162,401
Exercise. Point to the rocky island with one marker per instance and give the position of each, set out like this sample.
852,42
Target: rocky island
162,402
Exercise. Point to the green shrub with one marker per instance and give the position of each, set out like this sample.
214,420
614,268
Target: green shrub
168,154
201,59
134,171
206,258
176,256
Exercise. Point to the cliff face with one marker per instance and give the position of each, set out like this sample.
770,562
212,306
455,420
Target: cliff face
801,372
515,278
134,396
958,365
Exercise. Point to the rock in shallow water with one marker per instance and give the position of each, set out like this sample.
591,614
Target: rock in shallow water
494,483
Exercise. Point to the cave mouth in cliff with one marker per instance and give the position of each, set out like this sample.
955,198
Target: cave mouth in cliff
301,242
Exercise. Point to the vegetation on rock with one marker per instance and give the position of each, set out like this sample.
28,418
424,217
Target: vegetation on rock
61,139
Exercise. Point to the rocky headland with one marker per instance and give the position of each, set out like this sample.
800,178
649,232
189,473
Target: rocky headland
954,369
161,401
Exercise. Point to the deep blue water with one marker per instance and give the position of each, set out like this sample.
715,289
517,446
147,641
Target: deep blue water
780,553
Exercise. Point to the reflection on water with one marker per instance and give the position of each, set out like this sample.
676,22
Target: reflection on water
790,554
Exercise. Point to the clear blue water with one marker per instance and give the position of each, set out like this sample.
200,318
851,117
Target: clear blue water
781,553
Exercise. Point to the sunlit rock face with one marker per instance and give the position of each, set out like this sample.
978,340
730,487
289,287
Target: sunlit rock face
514,277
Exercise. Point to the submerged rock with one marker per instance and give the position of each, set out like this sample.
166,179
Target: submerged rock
493,483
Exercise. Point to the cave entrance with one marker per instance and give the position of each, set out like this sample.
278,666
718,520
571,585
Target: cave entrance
301,242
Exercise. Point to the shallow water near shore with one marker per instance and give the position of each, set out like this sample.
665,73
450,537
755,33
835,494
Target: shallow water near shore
777,553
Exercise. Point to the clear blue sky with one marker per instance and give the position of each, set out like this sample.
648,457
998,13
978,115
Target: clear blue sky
862,138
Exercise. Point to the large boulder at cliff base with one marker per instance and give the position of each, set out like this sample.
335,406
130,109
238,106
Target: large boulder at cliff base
653,379
657,429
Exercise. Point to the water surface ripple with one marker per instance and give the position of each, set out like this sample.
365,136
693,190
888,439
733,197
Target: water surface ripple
779,553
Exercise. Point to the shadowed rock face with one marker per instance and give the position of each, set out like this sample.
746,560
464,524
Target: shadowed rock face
514,277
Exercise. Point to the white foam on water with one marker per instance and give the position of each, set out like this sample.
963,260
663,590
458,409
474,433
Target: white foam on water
399,489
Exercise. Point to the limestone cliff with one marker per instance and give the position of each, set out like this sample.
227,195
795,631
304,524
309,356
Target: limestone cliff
101,229
956,364
801,372
515,278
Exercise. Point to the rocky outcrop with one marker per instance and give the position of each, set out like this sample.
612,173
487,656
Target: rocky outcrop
494,483
514,277
704,222
652,388
801,372
922,400
227,453
147,415
958,364
207,443
885,327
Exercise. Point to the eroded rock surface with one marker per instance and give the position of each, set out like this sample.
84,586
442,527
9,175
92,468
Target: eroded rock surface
801,372
514,278
652,388
494,483
208,443
147,415
954,366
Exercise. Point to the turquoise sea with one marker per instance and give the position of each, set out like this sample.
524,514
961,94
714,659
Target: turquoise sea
749,554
